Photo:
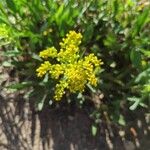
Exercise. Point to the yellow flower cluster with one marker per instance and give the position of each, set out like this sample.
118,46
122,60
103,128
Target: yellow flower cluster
49,52
60,89
69,47
5,37
4,31
43,69
71,71
72,38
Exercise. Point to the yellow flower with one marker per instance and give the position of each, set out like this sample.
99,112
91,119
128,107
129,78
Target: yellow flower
5,37
49,52
4,31
43,69
72,38
60,90
92,80
56,71
69,54
75,77
46,32
92,59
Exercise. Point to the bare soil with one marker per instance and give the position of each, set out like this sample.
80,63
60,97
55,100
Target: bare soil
22,128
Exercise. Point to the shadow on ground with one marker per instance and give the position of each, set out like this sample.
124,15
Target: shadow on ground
22,128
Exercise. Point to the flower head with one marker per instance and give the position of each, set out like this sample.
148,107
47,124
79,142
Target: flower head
43,69
49,52
70,71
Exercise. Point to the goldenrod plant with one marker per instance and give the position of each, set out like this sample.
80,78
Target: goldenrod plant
71,71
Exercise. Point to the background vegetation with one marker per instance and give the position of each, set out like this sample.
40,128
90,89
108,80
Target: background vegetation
116,31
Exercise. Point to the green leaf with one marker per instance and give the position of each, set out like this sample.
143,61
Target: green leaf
146,53
19,86
36,57
143,105
94,130
146,88
121,120
88,32
143,76
136,103
91,88
58,14
7,64
110,40
80,96
45,80
141,21
115,7
41,103
135,57
11,5
12,53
